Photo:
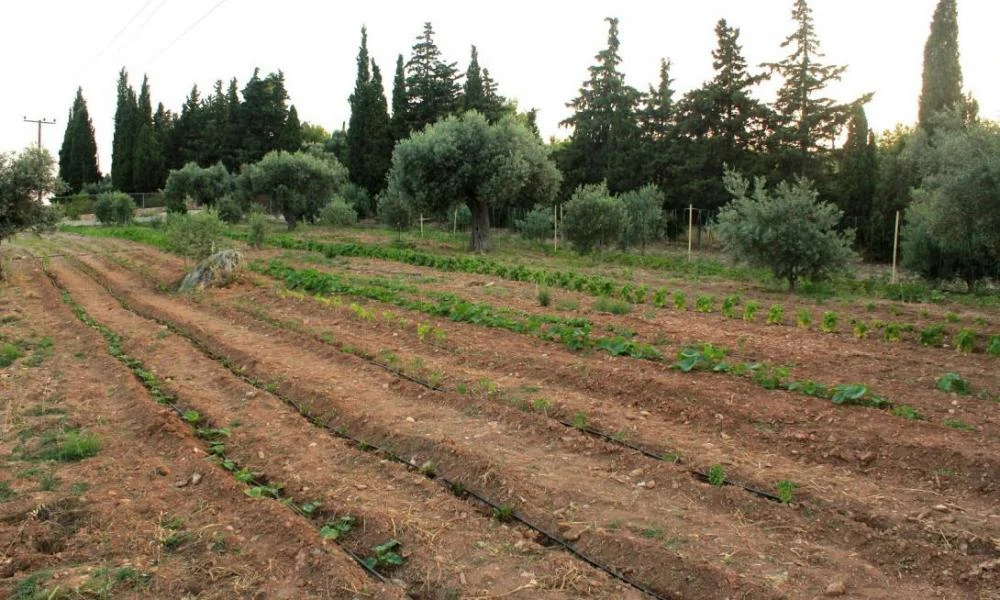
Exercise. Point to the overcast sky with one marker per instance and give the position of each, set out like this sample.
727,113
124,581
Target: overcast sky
538,51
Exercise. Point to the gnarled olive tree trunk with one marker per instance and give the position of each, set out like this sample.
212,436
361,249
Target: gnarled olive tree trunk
480,241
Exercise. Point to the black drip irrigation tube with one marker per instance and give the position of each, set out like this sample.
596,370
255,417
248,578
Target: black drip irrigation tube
170,401
455,488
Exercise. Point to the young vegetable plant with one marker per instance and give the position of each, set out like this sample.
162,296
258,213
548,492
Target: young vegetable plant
386,556
860,330
829,324
729,304
932,336
786,491
750,311
952,383
776,315
704,304
965,341
680,301
716,475
337,528
803,319
993,345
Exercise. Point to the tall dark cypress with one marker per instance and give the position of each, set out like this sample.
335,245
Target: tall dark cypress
858,174
369,140
942,77
147,156
400,103
122,145
78,154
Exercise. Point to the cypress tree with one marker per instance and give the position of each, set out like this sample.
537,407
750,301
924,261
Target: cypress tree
122,145
605,128
858,174
292,134
369,140
942,75
431,83
807,124
473,96
400,103
147,156
78,154
263,115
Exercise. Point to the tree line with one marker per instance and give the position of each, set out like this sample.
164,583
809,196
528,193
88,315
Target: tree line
621,137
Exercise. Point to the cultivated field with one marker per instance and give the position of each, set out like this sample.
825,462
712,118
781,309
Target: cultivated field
360,421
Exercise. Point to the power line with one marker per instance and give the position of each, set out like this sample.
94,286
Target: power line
118,35
186,31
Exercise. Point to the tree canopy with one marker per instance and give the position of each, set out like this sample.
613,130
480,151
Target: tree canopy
466,160
24,179
295,185
78,154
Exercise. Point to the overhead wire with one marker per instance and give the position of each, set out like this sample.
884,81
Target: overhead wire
159,52
121,32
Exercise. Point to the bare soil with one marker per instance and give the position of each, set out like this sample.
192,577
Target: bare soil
882,506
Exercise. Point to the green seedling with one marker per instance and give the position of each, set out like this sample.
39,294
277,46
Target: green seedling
776,314
959,425
680,301
952,383
337,529
829,323
191,416
704,304
750,311
786,491
544,296
906,411
993,346
385,556
932,336
716,475
965,341
729,304
503,513
580,420
860,330
893,332
803,319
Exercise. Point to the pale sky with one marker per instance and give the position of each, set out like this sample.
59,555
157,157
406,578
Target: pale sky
538,51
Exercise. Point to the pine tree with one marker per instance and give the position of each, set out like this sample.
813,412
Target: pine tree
807,124
720,124
186,133
479,92
78,154
400,103
942,76
147,156
858,174
431,84
262,115
605,128
163,123
122,145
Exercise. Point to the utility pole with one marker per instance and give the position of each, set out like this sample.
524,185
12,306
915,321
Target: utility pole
42,121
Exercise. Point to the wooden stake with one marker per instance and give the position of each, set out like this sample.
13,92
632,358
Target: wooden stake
421,225
690,228
555,227
895,249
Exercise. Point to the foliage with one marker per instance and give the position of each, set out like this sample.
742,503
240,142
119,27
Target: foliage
78,154
786,491
952,383
385,556
645,222
465,159
229,210
858,173
196,236
953,225
536,225
296,185
202,185
716,475
258,230
829,323
993,345
933,335
114,208
594,218
776,315
338,214
24,177
788,230
431,84
750,311
80,204
359,199
395,211
369,140
942,72
965,341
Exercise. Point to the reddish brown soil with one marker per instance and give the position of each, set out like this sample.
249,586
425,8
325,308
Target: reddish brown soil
888,507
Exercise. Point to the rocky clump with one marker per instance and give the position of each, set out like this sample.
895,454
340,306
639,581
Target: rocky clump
219,269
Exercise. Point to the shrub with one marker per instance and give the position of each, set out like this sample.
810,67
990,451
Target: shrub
338,214
297,185
704,304
829,324
258,230
803,319
203,185
776,314
544,296
81,204
932,336
788,231
965,341
195,236
395,211
229,210
594,218
114,208
952,383
993,345
536,224
644,224
729,304
750,311
358,198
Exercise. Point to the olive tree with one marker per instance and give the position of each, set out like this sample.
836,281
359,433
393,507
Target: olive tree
204,185
467,160
297,185
594,218
787,230
24,178
952,227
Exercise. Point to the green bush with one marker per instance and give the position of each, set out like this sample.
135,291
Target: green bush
196,236
644,208
965,341
776,314
81,204
114,208
788,231
395,211
594,218
229,210
258,230
203,185
993,345
338,214
932,336
358,198
750,311
536,225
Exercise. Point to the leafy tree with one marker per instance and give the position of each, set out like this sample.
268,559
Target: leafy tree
953,225
114,208
123,143
431,83
369,139
644,209
658,130
296,185
465,159
536,225
24,179
604,122
858,174
291,137
720,124
788,231
807,123
337,213
185,136
594,218
203,185
395,210
78,154
898,174
313,134
942,74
